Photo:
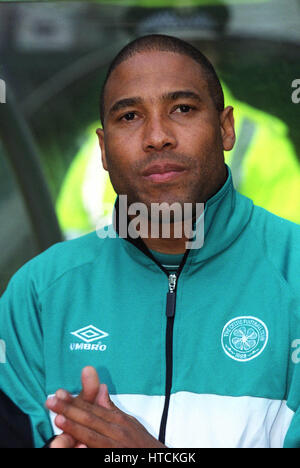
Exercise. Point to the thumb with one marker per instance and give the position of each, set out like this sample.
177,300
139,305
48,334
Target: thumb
90,384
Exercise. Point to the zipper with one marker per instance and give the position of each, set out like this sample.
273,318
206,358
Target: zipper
171,296
170,313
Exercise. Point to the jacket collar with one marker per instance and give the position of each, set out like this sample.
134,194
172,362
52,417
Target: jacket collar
225,216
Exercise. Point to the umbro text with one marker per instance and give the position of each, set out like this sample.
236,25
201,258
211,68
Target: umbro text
87,347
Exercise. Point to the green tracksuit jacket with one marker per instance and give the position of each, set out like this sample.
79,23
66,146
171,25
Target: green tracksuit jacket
218,367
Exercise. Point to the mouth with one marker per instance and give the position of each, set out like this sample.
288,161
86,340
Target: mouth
163,172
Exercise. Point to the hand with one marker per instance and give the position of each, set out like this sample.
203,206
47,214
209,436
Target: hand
92,391
97,423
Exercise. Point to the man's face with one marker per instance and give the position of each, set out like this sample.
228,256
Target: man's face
163,138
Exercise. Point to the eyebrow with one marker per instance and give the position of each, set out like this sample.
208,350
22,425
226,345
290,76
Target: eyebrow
172,96
185,94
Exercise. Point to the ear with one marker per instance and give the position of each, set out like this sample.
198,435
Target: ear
227,128
100,134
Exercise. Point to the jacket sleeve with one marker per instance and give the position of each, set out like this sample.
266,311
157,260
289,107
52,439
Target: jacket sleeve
292,439
24,420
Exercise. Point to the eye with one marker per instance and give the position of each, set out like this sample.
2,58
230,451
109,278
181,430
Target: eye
128,117
184,108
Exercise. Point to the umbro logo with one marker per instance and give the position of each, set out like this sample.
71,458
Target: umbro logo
89,335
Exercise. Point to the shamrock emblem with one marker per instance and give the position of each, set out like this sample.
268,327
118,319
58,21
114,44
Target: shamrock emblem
245,338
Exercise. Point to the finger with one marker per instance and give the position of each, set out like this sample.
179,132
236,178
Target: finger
103,398
59,406
60,394
63,441
64,395
87,436
87,415
90,384
80,446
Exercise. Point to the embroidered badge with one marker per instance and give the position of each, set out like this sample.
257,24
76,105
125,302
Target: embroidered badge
244,338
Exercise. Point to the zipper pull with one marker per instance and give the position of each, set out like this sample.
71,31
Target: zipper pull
171,296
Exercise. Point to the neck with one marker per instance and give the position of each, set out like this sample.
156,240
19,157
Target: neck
167,246
169,237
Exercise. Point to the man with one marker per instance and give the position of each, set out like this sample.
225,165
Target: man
263,163
194,347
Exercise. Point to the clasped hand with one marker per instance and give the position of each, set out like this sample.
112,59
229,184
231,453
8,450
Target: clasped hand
92,420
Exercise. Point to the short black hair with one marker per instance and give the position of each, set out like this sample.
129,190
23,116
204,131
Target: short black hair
164,43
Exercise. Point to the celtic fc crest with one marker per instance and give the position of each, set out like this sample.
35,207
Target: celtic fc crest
244,338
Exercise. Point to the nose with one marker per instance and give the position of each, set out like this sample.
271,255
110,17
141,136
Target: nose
158,134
